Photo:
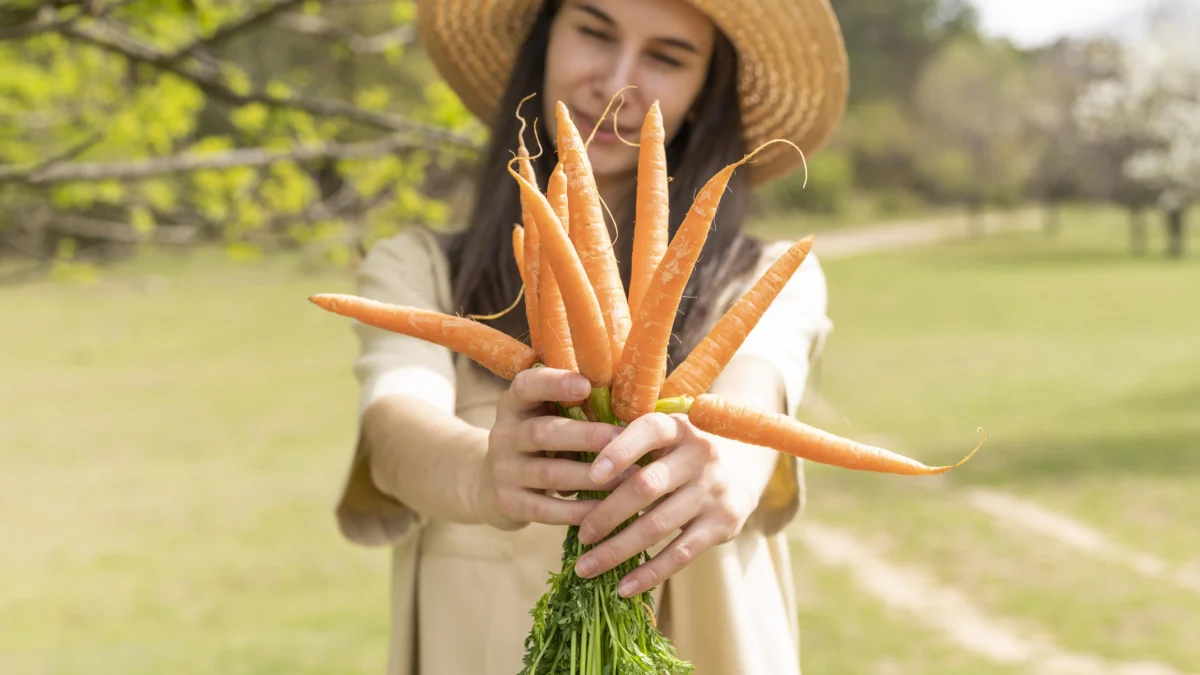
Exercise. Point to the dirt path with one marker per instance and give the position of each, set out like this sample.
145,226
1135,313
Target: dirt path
1027,516
953,615
864,239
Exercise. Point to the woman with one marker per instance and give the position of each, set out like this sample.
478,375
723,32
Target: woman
448,471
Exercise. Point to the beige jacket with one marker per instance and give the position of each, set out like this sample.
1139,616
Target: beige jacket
461,595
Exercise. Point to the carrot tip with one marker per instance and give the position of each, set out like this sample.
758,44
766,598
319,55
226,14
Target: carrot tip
326,301
972,454
964,460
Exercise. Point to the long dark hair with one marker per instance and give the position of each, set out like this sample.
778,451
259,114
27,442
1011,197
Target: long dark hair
484,275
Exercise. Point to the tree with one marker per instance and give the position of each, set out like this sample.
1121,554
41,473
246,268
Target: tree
276,122
973,100
1069,166
890,42
1151,109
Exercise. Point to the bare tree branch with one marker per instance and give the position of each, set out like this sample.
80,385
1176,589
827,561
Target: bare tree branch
210,82
188,162
93,228
247,22
359,44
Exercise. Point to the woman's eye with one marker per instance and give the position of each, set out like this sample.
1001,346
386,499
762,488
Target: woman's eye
666,60
594,33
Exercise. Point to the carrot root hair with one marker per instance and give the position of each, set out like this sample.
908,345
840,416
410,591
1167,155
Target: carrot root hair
764,145
971,454
497,315
605,114
521,131
617,127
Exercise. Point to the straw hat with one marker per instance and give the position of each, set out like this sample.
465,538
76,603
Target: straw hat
793,80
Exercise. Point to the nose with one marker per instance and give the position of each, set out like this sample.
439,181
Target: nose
619,71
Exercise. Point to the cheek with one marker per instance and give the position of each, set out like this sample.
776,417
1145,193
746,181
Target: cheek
676,96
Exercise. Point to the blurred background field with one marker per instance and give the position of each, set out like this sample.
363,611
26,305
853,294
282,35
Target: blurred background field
1006,227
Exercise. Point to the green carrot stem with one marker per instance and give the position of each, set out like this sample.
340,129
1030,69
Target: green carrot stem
676,404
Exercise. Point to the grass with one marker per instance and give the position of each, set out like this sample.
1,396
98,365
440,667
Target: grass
173,438
1080,362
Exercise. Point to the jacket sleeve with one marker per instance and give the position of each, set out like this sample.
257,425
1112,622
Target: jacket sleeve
791,336
407,269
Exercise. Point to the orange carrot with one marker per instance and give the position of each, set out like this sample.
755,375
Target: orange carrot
588,334
569,138
531,261
700,369
637,377
558,352
499,353
650,232
786,434
518,243
589,234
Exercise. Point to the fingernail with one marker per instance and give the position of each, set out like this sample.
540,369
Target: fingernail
627,588
601,470
585,567
581,388
586,533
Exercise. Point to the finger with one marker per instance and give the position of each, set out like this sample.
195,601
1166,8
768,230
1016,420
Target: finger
649,529
533,507
607,487
561,475
695,540
648,484
561,434
533,387
644,434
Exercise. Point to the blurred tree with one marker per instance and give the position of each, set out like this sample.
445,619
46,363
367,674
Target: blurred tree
973,101
1070,166
247,122
890,42
1150,111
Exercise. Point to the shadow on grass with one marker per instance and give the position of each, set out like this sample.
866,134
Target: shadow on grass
1174,452
1161,436
1025,255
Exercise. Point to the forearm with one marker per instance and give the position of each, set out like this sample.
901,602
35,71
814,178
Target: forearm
424,457
754,382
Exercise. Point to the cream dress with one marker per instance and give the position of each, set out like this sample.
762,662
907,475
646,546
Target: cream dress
461,594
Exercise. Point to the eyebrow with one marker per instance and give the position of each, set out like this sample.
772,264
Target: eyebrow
678,43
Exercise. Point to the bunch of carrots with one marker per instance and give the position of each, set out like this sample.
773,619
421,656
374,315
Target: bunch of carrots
581,320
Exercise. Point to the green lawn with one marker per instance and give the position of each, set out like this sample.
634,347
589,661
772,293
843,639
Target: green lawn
172,439
1081,363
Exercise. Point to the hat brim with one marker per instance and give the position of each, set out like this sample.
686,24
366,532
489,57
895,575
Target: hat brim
793,79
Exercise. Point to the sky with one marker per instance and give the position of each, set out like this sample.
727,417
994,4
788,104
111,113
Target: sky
1035,22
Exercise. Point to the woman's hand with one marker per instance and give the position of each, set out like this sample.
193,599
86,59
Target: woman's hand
515,481
702,497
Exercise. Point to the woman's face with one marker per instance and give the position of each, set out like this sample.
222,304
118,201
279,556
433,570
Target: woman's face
661,47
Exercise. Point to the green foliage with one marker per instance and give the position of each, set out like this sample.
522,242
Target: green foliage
830,184
889,43
82,96
583,626
974,100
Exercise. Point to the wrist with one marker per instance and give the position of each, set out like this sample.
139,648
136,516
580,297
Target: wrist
471,478
749,471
